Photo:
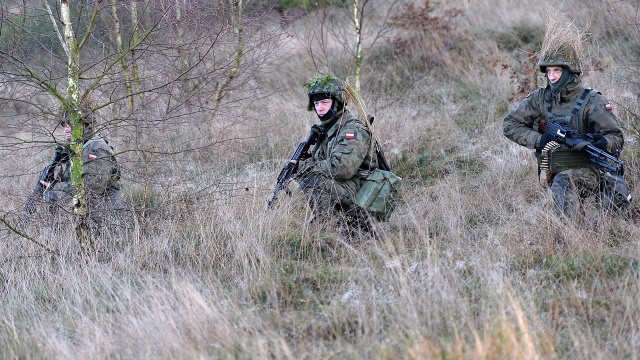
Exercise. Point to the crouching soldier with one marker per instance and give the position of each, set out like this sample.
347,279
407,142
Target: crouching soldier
341,159
100,174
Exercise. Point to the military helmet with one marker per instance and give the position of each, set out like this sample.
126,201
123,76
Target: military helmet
86,112
326,84
564,56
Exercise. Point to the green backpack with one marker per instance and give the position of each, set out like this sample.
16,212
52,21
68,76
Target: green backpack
100,169
379,193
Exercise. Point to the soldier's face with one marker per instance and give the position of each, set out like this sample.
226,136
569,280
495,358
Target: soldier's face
323,106
554,73
67,130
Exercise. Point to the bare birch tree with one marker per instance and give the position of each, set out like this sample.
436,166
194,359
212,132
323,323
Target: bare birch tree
73,47
186,67
340,39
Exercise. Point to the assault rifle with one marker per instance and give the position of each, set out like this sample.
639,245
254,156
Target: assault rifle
290,168
571,138
301,153
47,175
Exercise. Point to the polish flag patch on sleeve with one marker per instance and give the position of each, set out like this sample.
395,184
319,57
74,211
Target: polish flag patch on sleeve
608,107
350,135
92,157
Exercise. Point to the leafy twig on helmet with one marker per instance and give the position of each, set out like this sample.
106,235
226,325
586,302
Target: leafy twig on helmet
320,80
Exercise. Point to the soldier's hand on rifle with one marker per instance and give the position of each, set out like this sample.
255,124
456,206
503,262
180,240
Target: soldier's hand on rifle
599,140
305,156
45,184
298,165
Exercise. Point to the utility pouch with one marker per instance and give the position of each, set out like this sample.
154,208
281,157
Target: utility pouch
379,193
615,192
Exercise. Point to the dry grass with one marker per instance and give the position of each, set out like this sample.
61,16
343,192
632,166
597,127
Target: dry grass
473,265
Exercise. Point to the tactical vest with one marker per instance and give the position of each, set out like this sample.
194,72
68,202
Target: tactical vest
319,151
569,118
557,158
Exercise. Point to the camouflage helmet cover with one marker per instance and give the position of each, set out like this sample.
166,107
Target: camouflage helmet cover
86,112
326,84
564,56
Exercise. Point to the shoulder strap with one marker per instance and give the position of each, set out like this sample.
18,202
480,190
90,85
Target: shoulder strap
580,101
578,109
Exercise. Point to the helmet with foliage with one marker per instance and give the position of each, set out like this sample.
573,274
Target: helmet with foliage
562,44
86,112
325,84
564,56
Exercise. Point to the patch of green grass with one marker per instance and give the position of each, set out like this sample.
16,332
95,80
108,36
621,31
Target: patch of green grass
432,165
588,266
292,246
633,49
423,167
300,287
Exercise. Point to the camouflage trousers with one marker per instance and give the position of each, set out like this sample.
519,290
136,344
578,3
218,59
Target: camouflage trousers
334,200
570,187
104,209
327,195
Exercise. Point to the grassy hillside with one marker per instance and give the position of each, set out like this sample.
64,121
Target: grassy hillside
472,265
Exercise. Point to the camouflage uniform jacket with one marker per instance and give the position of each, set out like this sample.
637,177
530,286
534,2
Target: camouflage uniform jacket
526,122
100,171
344,153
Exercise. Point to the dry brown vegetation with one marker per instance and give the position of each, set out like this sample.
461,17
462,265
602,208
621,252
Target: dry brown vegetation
472,265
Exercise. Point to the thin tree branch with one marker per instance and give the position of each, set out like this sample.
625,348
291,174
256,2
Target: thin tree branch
55,27
23,235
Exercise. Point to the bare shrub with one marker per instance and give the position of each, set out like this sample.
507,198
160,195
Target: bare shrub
428,33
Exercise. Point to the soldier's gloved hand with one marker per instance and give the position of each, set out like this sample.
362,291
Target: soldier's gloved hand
598,140
544,139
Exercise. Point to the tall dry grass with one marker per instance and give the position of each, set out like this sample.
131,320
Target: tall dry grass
472,265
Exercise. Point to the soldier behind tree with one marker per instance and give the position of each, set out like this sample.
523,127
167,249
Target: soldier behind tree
100,174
